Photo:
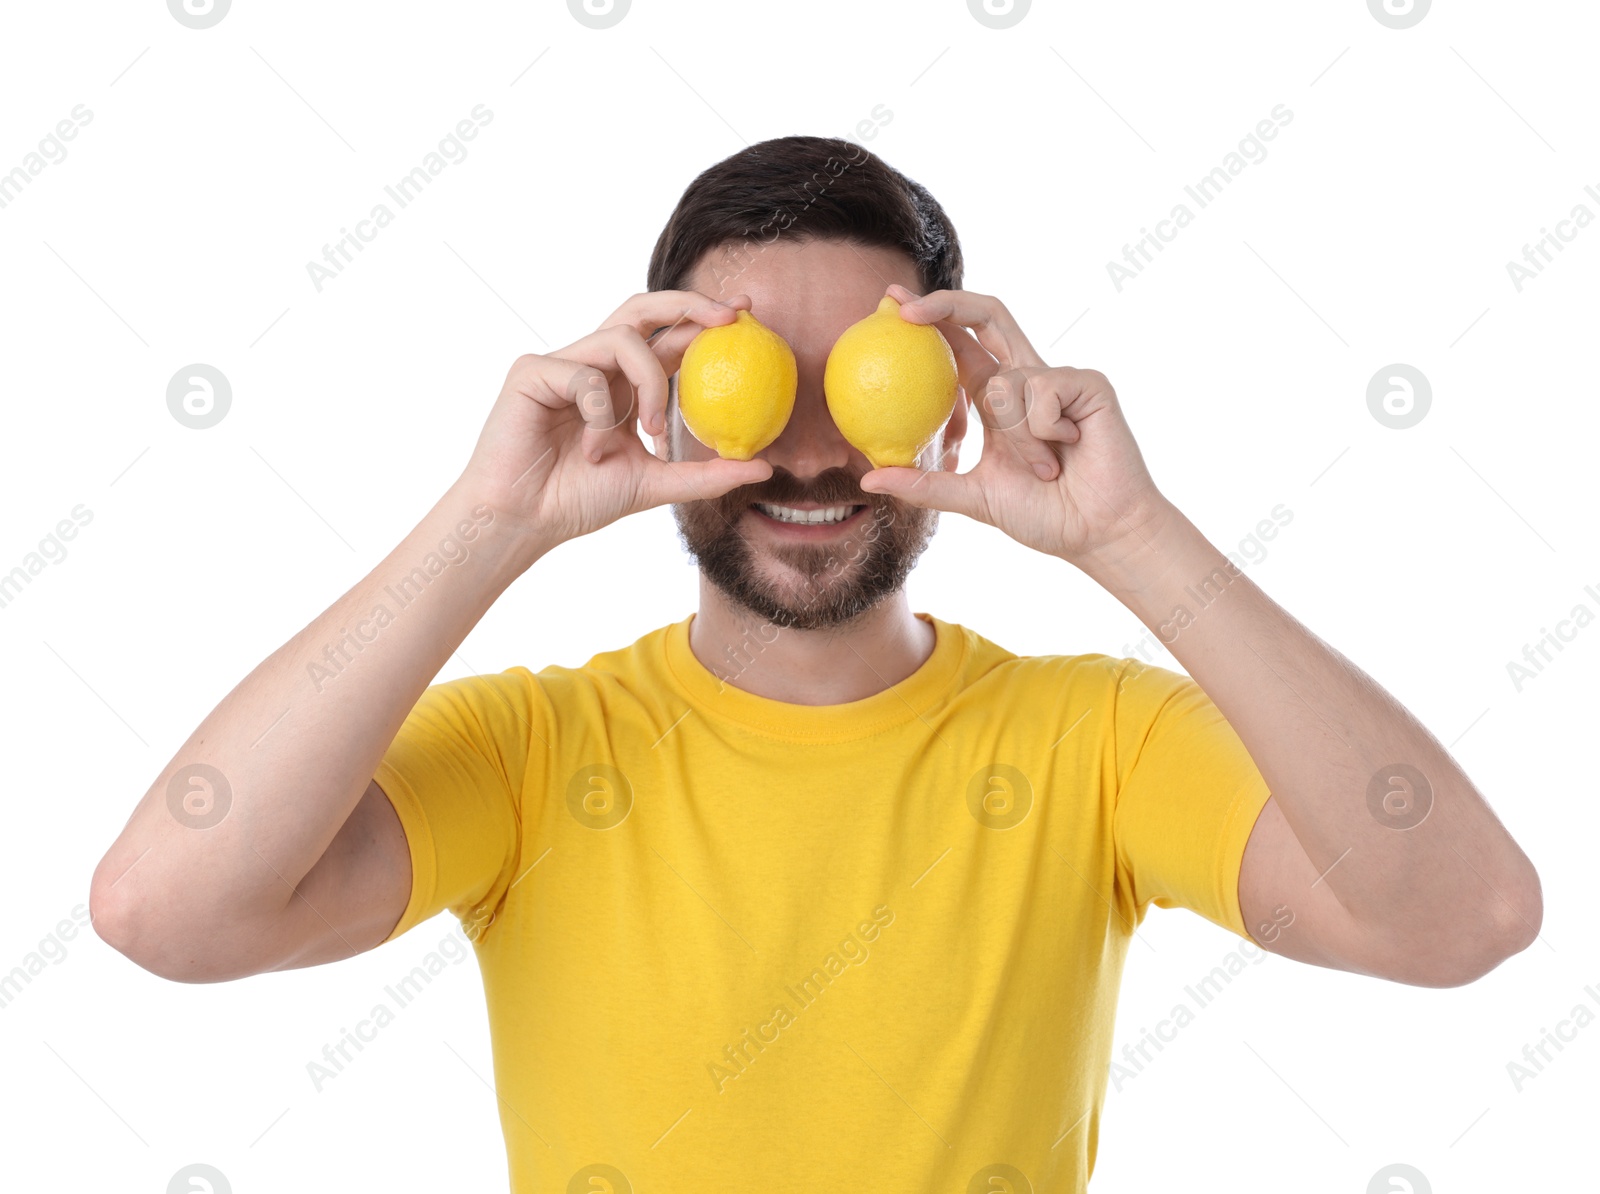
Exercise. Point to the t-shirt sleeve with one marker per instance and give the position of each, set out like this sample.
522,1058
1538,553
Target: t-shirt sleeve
458,775
1188,795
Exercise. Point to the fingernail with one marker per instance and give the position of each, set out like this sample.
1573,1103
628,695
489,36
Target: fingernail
1043,470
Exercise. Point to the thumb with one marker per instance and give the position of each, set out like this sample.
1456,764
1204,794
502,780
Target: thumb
935,489
667,481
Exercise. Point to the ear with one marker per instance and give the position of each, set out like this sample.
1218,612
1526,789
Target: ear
955,430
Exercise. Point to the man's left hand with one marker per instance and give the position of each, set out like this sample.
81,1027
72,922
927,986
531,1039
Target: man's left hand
1060,471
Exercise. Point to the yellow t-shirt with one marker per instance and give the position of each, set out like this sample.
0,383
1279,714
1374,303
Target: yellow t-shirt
730,943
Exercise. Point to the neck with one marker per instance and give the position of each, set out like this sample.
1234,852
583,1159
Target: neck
829,666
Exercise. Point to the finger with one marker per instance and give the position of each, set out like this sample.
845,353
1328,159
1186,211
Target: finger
986,315
668,340
672,343
605,370
1004,400
974,365
956,492
1037,397
681,314
665,481
588,389
1004,408
1047,408
652,310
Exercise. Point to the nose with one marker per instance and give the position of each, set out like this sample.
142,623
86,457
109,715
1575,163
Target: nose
810,442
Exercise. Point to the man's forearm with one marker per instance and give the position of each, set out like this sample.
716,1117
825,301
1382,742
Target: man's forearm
1390,822
248,805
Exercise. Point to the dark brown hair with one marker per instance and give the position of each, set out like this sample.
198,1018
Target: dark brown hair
805,188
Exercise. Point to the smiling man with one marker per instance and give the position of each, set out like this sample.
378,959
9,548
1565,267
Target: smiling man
808,889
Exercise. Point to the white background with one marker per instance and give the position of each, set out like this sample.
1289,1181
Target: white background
1377,230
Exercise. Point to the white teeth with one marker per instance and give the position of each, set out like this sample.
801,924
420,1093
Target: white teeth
790,514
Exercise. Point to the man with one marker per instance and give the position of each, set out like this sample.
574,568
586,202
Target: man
808,890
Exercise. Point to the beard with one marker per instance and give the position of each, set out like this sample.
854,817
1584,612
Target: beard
806,586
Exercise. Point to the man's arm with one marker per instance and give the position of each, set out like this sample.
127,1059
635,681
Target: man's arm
264,843
225,867
1375,885
1387,856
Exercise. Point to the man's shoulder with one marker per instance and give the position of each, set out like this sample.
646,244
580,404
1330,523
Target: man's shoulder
988,659
637,663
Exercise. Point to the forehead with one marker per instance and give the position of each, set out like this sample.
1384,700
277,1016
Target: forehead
808,285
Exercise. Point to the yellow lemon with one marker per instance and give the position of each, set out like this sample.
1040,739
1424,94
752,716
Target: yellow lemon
736,387
890,385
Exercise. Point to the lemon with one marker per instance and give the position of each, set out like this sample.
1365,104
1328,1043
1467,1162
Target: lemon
736,387
890,385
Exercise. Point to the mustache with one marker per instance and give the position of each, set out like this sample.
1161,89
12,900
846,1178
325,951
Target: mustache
832,487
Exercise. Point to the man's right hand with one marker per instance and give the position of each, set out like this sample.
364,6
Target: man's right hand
560,454
312,862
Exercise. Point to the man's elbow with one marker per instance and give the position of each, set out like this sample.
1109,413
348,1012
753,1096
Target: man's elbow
1518,919
116,921
125,921
1479,943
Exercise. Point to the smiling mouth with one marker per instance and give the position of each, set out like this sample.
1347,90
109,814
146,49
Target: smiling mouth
807,515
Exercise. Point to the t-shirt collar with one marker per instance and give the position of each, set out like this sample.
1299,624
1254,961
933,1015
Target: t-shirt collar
913,696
